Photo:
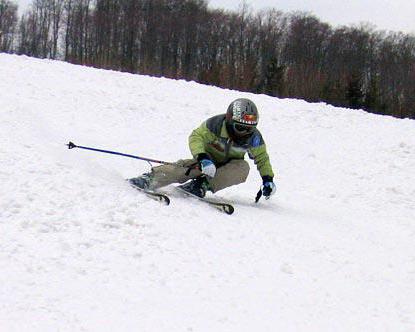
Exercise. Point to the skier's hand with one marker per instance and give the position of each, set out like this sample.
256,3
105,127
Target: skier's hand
208,167
268,187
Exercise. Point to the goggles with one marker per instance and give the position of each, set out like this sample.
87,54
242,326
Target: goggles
243,129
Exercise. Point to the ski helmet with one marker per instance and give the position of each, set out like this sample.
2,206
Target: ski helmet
242,117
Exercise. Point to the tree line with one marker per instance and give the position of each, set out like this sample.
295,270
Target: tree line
291,55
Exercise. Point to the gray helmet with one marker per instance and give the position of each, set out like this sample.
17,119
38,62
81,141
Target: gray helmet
242,117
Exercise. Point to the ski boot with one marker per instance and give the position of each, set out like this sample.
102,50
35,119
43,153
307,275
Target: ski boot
197,187
142,182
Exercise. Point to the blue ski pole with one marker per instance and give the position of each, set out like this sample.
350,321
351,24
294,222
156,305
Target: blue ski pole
72,145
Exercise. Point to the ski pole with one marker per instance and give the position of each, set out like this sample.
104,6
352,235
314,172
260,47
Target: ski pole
258,196
71,145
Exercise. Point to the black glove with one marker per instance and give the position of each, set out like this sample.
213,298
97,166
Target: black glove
268,186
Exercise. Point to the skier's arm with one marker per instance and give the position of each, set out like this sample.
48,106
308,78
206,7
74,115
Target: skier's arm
259,153
198,140
262,161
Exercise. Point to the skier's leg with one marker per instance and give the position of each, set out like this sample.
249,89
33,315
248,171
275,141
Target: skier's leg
234,172
176,173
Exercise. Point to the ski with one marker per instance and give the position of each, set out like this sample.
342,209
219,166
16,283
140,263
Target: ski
221,206
162,198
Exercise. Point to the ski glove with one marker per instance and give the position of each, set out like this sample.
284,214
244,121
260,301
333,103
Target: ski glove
268,187
207,166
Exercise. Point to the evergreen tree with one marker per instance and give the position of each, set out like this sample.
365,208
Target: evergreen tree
354,94
274,82
372,102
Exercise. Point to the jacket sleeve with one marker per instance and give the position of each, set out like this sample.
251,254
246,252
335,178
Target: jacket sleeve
198,139
261,158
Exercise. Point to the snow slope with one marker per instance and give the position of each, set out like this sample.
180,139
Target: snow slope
333,250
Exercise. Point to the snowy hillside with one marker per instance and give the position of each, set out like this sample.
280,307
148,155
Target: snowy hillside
333,250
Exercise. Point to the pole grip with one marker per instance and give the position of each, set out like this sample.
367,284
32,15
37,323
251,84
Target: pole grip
192,166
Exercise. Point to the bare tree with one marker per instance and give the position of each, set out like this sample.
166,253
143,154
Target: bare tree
8,23
286,55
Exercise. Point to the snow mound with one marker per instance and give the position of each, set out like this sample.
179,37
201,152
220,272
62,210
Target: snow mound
80,250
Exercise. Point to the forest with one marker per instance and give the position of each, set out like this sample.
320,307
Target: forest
287,55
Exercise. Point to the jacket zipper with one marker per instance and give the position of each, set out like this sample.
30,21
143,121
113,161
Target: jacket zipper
227,149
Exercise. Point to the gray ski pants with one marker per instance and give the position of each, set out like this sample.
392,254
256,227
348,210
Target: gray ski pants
232,173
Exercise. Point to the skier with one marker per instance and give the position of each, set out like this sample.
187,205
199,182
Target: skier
218,148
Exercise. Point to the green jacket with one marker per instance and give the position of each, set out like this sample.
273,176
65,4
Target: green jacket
213,139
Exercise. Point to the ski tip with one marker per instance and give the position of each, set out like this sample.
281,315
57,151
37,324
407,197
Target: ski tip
228,209
165,200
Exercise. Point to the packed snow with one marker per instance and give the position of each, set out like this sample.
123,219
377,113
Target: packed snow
80,250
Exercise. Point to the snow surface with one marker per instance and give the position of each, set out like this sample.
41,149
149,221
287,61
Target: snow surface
333,250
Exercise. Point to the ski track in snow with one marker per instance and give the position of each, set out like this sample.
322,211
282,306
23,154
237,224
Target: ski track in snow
333,250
